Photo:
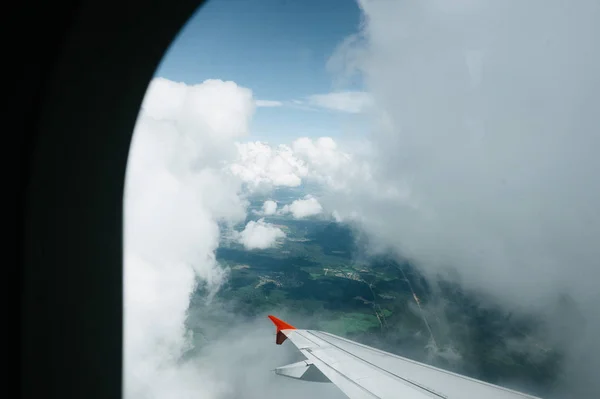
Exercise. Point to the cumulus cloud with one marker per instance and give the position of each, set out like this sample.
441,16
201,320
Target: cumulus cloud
259,164
306,160
344,101
269,208
260,235
302,208
486,139
175,195
213,112
327,163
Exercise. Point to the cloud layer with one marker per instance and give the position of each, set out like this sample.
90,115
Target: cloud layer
487,129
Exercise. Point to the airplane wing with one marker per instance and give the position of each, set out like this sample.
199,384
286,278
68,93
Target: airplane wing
361,371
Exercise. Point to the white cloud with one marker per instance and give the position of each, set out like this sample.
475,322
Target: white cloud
327,164
344,101
336,216
207,117
175,193
260,164
487,129
214,109
268,103
260,235
269,208
302,208
318,160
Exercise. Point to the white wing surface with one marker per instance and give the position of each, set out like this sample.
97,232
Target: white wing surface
364,372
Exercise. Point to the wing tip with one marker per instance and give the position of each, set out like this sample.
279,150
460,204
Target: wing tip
280,324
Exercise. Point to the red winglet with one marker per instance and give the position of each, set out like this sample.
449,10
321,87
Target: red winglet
281,325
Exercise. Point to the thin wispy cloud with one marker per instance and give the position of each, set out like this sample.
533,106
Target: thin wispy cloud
352,102
268,103
344,101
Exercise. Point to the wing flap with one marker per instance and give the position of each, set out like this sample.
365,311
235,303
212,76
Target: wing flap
346,385
303,370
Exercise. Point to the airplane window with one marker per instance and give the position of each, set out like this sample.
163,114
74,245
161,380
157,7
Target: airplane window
415,177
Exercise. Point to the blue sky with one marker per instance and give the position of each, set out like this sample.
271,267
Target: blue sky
277,48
